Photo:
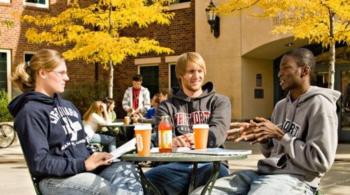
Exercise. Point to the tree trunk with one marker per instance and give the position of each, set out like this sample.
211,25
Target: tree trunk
111,79
331,69
331,66
111,67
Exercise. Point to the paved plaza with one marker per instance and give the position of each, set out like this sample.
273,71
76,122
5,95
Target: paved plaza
15,178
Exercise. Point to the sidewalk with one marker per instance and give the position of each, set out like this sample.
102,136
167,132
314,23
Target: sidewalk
15,179
335,182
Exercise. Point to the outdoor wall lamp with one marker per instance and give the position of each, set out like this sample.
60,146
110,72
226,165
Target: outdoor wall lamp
213,19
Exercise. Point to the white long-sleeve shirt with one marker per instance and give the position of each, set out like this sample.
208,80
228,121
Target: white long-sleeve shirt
144,100
92,124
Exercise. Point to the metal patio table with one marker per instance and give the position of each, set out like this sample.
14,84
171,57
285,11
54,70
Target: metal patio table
182,157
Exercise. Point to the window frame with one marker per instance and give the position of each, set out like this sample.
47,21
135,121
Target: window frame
38,5
178,5
27,52
5,1
8,71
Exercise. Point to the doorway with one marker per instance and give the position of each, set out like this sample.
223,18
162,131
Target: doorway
342,83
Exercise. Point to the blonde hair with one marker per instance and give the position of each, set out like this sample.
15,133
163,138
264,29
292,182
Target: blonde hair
186,58
95,107
24,75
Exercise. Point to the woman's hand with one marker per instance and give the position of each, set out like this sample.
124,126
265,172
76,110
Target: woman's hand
97,159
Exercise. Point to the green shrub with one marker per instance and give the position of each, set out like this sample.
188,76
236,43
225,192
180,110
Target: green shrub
4,113
82,95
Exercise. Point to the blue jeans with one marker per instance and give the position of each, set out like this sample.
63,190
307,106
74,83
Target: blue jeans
119,178
105,140
251,183
173,178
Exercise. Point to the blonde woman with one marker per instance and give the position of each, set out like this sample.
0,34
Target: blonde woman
52,137
94,117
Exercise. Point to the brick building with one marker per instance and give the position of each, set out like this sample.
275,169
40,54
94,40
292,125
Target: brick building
179,36
242,62
15,49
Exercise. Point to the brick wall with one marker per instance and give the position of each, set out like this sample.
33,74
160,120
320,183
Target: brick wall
179,36
14,39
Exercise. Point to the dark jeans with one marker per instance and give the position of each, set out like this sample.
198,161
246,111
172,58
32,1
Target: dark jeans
173,178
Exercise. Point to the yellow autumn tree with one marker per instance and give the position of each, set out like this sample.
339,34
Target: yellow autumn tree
319,21
94,31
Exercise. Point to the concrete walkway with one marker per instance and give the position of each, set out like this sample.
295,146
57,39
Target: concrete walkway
15,179
335,182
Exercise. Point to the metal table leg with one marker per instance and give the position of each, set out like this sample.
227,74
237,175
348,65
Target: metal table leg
210,184
146,184
192,177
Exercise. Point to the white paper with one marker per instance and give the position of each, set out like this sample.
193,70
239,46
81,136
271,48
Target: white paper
127,147
178,149
114,124
155,150
219,151
182,149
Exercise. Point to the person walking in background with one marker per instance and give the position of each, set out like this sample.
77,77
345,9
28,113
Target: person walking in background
300,141
195,103
111,115
136,100
52,136
95,117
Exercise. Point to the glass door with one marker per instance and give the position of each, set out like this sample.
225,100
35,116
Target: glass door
342,84
150,76
344,116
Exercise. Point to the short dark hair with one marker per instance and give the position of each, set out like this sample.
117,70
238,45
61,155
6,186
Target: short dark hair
302,57
137,77
107,100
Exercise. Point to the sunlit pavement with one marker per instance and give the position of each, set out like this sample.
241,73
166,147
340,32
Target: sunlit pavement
15,179
335,182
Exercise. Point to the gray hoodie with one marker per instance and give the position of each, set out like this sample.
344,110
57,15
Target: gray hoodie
308,148
210,108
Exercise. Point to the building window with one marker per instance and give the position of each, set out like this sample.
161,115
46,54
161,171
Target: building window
181,1
28,56
5,70
150,76
322,79
5,1
37,3
174,84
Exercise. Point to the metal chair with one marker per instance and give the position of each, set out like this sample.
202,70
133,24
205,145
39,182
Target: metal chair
34,180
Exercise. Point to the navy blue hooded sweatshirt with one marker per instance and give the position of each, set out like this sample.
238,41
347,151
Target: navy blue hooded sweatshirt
51,135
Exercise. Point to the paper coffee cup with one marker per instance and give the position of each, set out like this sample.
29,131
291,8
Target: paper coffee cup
126,120
143,139
200,133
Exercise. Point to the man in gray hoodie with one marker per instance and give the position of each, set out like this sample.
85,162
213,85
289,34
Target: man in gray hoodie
299,142
195,103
